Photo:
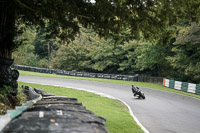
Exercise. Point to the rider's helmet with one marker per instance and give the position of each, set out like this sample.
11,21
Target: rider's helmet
133,86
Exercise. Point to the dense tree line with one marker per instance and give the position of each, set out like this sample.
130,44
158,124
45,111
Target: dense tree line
175,54
130,35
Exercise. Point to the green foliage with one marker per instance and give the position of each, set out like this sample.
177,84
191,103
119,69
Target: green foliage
168,56
44,44
5,90
43,63
27,35
24,55
187,52
105,17
64,19
35,49
71,56
21,96
88,52
6,103
151,57
104,56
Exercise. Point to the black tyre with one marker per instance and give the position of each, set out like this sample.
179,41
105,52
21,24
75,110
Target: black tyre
143,96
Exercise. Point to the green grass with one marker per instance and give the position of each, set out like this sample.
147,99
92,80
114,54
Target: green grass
140,84
118,118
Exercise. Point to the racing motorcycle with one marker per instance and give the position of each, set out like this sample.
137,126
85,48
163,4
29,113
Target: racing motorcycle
137,92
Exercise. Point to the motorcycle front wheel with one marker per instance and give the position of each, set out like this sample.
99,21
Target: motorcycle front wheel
143,96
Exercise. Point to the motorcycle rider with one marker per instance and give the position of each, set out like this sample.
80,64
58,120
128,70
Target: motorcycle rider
136,91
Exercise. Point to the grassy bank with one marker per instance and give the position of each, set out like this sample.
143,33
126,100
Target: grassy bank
118,118
141,84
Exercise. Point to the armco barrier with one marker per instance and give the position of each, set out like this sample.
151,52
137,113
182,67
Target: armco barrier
150,79
183,86
135,77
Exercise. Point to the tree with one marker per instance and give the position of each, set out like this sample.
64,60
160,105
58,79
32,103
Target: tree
44,44
127,51
24,54
151,58
106,17
73,55
91,53
186,53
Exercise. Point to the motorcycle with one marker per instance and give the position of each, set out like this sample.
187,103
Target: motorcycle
137,92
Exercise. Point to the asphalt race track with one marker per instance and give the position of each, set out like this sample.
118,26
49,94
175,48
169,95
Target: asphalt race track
160,112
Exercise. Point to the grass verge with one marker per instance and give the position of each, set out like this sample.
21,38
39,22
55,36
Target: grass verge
140,84
118,118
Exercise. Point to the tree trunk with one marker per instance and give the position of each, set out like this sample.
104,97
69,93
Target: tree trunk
7,27
7,30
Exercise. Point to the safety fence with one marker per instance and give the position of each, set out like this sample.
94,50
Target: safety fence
150,79
183,86
135,77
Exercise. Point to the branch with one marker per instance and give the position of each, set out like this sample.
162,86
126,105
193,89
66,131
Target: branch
25,6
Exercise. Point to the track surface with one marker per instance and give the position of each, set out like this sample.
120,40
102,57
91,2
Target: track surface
160,112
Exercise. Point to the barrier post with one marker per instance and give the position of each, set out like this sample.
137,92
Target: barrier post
163,81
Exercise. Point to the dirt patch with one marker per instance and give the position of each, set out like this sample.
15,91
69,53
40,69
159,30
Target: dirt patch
8,102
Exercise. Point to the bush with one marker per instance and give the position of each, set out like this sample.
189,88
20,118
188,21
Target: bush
7,101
